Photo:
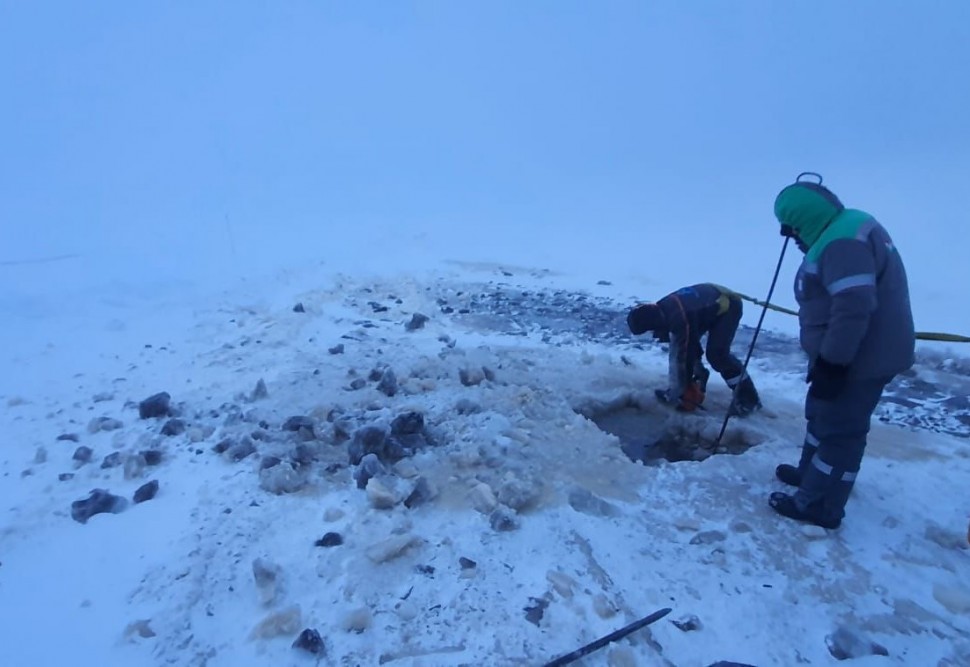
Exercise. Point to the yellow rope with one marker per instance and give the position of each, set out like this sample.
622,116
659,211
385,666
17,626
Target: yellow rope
920,335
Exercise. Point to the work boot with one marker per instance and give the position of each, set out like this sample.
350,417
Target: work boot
786,506
792,475
746,399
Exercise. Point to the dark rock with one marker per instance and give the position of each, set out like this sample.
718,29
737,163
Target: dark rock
427,570
376,307
156,405
357,384
241,450
848,643
298,308
471,377
535,610
488,373
418,321
83,455
299,422
407,423
152,457
467,563
70,437
112,460
303,455
367,440
269,462
420,495
688,623
330,540
342,429
370,466
502,520
146,491
603,282
397,448
260,391
310,641
388,383
222,445
99,502
336,349
260,435
65,476
708,537
173,427
375,374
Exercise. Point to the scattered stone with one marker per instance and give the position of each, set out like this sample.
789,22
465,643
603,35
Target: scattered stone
333,514
488,373
426,570
367,440
223,445
284,622
310,640
241,450
103,396
502,520
388,383
471,377
603,282
421,494
71,437
298,308
535,610
152,457
380,496
406,610
357,384
357,620
467,406
369,467
98,502
739,526
269,462
708,537
65,476
954,597
405,469
146,491
847,643
140,628
112,460
173,427
156,405
417,322
82,455
135,466
390,548
336,349
375,374
688,623
104,424
482,498
329,540
40,456
282,478
467,563
585,502
268,578
407,423
298,423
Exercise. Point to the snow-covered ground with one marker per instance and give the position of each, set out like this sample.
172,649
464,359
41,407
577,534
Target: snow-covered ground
503,527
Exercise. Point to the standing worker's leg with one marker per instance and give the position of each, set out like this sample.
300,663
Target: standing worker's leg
719,355
841,426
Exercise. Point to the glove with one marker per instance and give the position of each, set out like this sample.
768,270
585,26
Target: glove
692,398
827,379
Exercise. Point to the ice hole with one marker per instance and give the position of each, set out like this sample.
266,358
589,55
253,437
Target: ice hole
651,433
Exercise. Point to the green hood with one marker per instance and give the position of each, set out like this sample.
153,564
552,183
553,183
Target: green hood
807,208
